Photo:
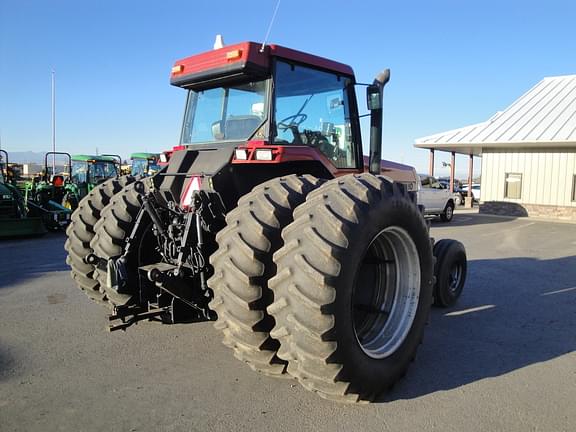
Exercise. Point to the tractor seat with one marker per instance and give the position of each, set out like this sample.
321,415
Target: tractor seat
241,127
58,180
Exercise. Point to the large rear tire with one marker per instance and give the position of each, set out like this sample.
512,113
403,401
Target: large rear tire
353,288
80,232
116,222
243,265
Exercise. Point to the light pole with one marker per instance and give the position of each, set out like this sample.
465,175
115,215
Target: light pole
53,123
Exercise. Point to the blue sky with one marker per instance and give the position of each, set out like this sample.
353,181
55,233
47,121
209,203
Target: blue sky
453,63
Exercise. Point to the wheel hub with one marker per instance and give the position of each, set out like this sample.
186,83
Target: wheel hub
386,292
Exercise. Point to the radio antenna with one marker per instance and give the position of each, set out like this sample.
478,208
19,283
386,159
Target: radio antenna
270,26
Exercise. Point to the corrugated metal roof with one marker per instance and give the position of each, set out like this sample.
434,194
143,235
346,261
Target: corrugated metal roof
546,114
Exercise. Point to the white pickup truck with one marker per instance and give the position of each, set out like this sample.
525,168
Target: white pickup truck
436,198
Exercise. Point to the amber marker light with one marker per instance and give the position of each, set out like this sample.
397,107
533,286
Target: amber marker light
177,69
234,55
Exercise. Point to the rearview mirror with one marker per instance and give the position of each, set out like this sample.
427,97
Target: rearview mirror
373,97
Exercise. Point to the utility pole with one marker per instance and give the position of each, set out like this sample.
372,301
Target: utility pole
53,123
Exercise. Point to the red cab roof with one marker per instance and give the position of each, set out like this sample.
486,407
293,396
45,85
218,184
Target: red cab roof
242,58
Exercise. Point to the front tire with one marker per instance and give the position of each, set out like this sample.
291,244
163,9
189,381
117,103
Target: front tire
70,201
353,288
450,271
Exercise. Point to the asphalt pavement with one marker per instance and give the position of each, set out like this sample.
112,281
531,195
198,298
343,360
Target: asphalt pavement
503,359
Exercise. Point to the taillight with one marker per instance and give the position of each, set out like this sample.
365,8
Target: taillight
187,196
241,154
264,154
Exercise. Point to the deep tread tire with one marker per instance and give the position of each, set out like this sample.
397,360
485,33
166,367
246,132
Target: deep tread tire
80,232
450,272
314,287
243,265
116,222
448,213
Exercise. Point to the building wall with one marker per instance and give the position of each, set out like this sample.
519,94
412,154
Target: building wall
547,181
547,176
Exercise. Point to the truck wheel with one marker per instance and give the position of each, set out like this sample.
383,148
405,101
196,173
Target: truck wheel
450,271
243,265
80,232
448,213
116,222
353,288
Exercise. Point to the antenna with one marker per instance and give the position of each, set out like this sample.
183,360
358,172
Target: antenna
270,26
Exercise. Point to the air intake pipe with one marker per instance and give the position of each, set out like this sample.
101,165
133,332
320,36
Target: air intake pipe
374,97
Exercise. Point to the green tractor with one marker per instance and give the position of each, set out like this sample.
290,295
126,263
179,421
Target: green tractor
48,194
144,164
88,171
14,218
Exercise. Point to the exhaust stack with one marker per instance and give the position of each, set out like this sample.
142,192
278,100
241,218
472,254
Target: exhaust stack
374,96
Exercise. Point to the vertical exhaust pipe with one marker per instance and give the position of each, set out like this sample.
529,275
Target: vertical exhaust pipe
374,96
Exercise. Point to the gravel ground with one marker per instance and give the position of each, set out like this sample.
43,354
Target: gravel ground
503,359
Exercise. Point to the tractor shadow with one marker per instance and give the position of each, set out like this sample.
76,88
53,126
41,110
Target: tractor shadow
472,219
27,258
513,313
6,364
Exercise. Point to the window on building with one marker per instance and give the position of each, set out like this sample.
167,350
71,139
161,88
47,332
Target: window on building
513,186
574,187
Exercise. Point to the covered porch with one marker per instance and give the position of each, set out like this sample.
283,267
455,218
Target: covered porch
469,150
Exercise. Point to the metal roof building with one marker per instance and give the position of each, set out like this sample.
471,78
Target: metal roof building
528,152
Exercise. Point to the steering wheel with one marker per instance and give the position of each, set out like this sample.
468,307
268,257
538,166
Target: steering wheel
292,121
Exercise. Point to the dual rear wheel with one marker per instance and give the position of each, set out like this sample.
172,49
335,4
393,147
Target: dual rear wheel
81,232
333,286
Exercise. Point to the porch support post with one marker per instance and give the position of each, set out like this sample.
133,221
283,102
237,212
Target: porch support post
431,163
452,169
469,202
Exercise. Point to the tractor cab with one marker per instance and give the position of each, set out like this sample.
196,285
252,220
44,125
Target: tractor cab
144,164
272,105
254,113
89,171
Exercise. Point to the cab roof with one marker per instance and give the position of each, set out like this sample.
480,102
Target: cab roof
95,158
144,156
243,59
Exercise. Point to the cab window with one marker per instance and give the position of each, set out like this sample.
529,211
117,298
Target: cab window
79,172
312,109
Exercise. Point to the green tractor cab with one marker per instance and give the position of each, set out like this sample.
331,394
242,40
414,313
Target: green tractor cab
14,218
88,171
144,164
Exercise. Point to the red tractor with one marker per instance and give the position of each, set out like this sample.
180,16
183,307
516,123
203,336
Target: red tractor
265,221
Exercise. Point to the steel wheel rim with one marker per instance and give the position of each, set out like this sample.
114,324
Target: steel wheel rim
454,278
386,293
